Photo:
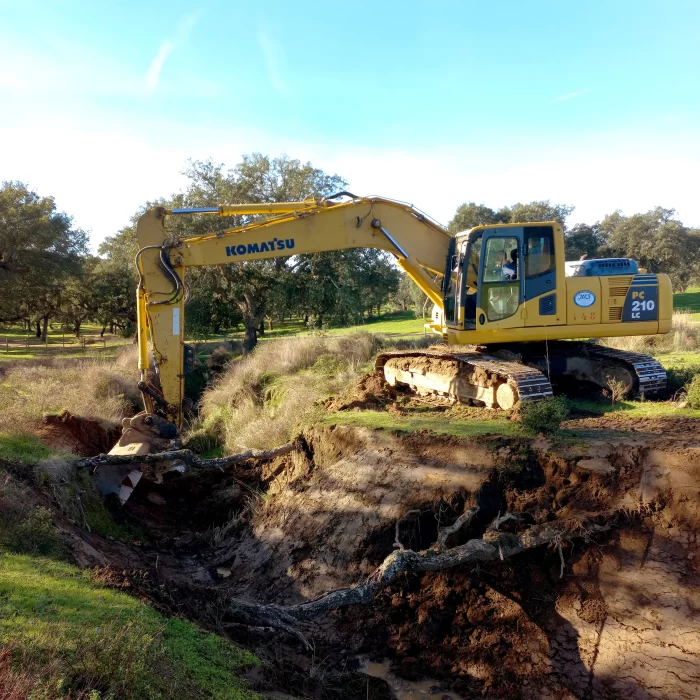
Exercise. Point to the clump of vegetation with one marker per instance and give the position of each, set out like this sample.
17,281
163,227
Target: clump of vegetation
104,391
693,392
262,398
543,417
677,378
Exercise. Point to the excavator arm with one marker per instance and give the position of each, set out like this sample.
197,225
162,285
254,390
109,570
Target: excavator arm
421,247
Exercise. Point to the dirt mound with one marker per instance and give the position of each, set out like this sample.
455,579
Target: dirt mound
82,436
370,392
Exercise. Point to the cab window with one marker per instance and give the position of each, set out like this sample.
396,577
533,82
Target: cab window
501,274
539,247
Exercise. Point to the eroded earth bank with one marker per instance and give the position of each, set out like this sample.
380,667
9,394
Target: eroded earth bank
611,614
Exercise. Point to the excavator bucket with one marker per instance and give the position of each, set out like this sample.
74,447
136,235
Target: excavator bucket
143,434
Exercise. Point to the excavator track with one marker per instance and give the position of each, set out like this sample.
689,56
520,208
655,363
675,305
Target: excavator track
598,364
467,377
520,372
649,373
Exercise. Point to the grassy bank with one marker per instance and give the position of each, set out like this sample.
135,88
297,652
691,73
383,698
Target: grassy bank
62,635
263,399
65,636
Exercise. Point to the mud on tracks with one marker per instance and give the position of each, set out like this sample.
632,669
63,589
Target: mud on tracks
370,391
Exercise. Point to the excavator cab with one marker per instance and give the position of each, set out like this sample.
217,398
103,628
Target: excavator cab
503,277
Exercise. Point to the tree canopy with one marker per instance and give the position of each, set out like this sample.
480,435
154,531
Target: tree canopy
39,253
47,273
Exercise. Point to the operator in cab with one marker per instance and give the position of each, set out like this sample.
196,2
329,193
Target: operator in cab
510,267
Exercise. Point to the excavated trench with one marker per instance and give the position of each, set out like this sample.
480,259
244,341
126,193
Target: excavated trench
614,615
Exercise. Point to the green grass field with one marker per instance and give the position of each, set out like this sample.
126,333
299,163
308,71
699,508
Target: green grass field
398,323
688,301
17,344
68,633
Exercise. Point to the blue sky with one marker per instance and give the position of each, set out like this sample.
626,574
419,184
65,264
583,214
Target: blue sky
595,104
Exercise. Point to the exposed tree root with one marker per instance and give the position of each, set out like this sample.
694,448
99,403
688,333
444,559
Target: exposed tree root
188,457
445,532
491,546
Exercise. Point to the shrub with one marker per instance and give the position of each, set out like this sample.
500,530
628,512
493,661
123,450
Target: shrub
617,390
219,358
693,392
542,416
23,528
678,378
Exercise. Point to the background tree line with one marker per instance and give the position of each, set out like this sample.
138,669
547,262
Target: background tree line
47,274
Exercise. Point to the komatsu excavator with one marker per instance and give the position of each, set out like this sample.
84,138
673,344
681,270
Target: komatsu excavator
506,304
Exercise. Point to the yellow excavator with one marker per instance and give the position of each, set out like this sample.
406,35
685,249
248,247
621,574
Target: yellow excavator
507,305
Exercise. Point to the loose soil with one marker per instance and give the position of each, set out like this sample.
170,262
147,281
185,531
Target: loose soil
81,436
370,392
621,620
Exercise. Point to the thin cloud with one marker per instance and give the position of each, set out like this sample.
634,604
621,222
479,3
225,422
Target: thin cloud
166,49
274,60
570,95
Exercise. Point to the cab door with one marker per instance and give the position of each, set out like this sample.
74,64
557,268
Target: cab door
540,273
454,290
500,295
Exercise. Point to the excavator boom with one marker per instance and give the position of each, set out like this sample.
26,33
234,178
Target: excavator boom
421,247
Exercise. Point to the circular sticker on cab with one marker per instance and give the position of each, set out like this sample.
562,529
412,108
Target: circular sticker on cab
584,298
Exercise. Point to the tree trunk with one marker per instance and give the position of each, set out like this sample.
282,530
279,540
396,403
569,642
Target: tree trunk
253,316
251,338
45,329
38,328
269,321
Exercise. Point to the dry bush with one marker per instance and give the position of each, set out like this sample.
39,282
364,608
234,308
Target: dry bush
683,337
264,397
14,685
104,391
